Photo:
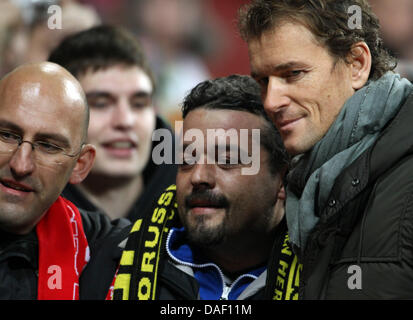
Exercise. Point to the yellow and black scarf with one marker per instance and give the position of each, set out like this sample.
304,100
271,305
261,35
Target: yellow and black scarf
283,274
144,254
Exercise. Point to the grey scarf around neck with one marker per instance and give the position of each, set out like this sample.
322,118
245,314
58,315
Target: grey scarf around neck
356,128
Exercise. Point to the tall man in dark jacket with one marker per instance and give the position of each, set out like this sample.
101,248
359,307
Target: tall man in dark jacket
346,118
229,199
112,69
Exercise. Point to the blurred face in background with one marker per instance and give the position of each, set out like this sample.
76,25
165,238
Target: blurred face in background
178,18
32,41
122,119
396,20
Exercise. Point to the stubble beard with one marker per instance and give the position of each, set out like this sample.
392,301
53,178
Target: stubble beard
202,235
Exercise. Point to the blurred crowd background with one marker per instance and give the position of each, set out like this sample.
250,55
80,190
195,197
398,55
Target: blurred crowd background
186,41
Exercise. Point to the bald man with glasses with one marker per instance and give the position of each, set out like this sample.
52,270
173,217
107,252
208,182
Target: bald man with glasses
45,240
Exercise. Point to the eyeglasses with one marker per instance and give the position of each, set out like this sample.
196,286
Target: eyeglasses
45,153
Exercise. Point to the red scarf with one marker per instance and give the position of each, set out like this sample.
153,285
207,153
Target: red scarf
109,295
63,252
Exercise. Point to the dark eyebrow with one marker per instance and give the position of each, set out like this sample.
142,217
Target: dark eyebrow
108,95
4,124
95,94
186,145
287,66
142,94
56,137
61,140
228,147
281,67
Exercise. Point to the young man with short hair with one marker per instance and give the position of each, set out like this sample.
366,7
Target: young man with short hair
112,69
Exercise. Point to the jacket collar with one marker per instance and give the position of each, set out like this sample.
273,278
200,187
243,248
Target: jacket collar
397,137
25,247
210,277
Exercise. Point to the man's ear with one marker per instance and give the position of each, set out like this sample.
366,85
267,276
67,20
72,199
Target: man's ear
360,61
281,193
83,164
281,190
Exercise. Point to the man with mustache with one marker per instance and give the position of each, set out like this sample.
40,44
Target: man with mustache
45,241
112,69
345,117
229,219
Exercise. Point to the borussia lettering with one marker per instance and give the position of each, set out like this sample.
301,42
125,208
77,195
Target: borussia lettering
155,231
147,266
165,199
144,289
158,215
145,240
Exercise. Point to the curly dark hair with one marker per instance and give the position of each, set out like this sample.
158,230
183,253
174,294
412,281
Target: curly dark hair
99,48
241,93
327,20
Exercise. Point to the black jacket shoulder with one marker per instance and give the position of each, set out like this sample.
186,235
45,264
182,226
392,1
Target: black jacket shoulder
367,227
99,228
103,236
